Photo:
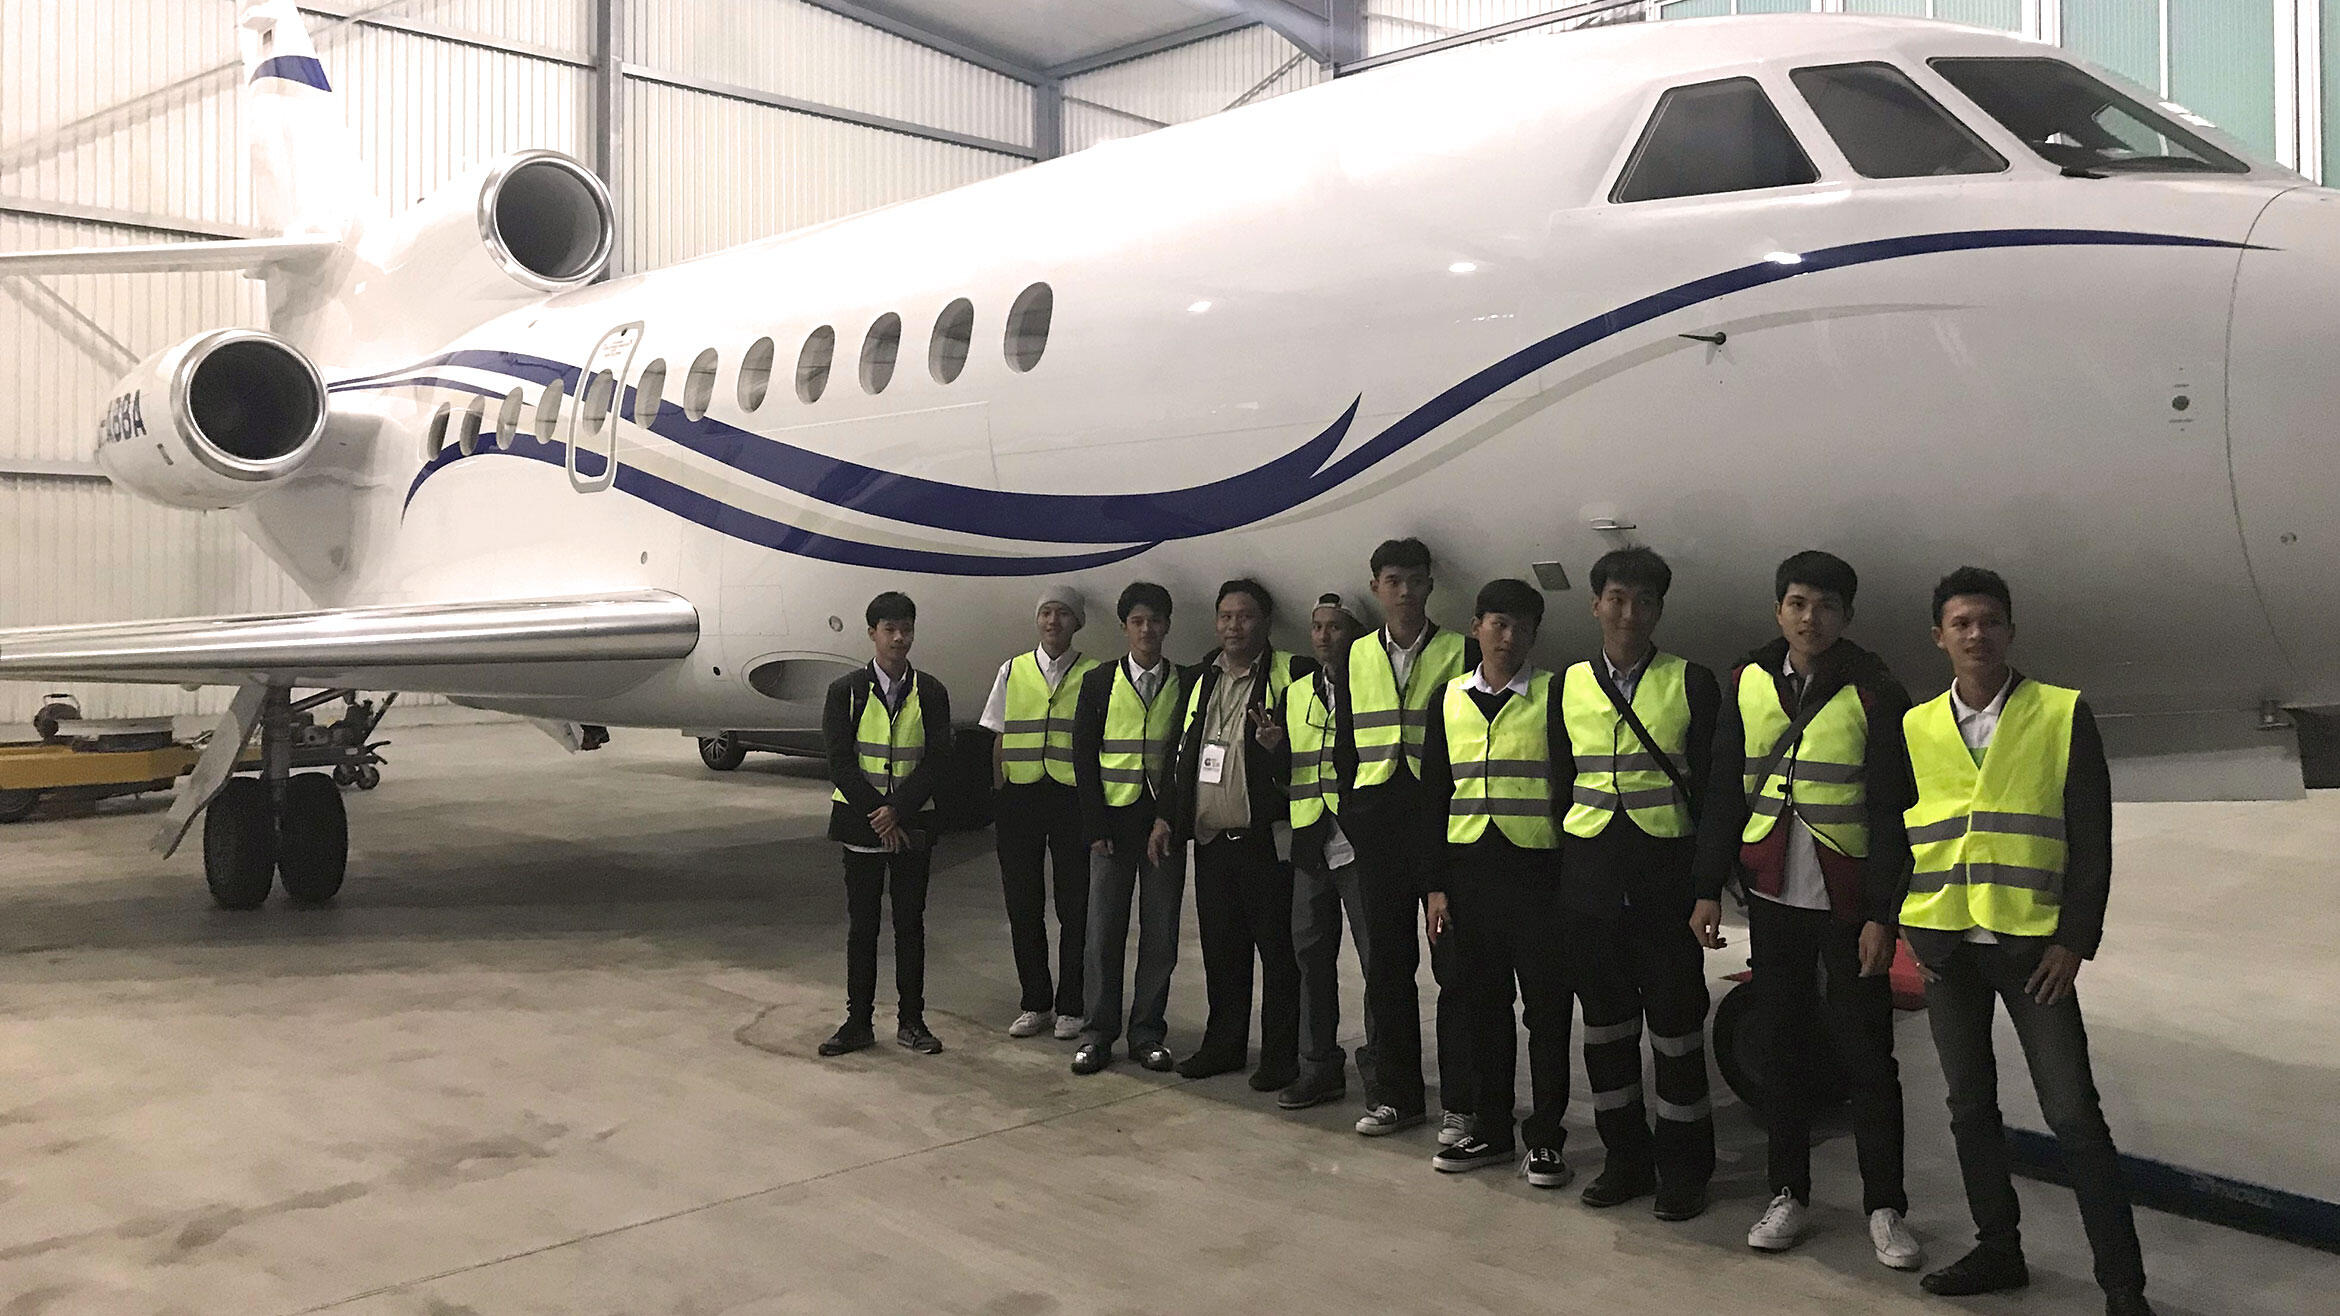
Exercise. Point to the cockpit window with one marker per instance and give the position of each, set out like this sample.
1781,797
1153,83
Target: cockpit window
1713,137
2077,122
1888,127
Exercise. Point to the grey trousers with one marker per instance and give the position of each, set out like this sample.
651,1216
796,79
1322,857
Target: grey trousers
1319,901
1115,880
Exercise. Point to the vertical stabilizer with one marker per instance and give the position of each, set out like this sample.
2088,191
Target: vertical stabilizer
305,179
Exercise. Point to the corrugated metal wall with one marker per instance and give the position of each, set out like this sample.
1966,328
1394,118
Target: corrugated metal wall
1185,82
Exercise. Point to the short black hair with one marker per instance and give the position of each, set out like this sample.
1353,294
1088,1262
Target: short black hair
1407,554
1635,568
1512,598
1246,585
893,605
1145,594
1825,572
1972,580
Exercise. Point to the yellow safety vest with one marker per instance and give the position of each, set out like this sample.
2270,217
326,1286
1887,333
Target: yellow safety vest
1308,729
1279,679
1502,769
1137,737
889,744
1825,775
1987,842
1613,768
1385,718
1038,739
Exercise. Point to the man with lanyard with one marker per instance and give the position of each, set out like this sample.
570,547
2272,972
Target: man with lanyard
1123,731
2011,841
1809,783
1394,678
1036,814
1323,860
1640,727
875,728
1223,793
1488,763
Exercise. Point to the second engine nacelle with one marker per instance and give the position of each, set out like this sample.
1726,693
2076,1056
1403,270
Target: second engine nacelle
215,421
531,223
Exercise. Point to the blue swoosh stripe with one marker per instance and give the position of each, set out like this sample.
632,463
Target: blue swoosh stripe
293,68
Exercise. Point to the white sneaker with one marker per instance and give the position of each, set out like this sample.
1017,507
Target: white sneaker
1896,1246
1069,1027
1455,1126
1781,1227
1031,1023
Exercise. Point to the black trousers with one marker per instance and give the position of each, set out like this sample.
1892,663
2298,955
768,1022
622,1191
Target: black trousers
1959,1006
867,878
1392,861
1641,962
1038,828
1506,910
1116,880
1791,949
1242,907
1319,899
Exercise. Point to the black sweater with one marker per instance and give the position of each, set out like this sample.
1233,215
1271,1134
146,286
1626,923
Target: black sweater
913,799
1261,779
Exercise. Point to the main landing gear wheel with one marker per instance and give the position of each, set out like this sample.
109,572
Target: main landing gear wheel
722,753
1745,1061
240,844
17,805
312,852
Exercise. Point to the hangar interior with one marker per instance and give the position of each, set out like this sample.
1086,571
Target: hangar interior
555,1056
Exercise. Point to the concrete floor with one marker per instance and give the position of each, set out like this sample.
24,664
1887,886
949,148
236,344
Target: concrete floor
552,1052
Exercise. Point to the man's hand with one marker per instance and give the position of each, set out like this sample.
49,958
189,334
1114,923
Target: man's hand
1877,941
2052,980
888,826
1266,730
1158,844
1104,848
1706,924
1435,919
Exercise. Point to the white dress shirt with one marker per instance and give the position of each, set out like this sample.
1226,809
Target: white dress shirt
1801,882
1052,671
1977,726
1628,680
1401,660
1517,686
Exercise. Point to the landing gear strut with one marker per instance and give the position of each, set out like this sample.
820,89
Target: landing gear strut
280,824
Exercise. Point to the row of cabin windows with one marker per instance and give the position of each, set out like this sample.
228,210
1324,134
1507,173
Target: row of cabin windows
1726,136
1023,342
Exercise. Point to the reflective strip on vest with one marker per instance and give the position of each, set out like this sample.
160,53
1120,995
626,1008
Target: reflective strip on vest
1389,723
1987,843
1136,745
1502,769
1825,774
888,745
1037,741
1308,728
1627,776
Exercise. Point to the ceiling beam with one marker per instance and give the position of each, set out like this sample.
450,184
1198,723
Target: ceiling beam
1185,36
950,41
1312,33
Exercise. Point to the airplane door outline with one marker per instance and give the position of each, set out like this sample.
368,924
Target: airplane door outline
612,355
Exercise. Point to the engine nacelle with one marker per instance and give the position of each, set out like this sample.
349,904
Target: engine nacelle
215,421
531,223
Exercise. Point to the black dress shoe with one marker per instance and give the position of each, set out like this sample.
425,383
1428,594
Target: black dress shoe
1314,1090
1202,1064
1156,1057
918,1039
1617,1186
849,1036
1264,1079
1091,1057
2126,1304
1687,1202
1984,1270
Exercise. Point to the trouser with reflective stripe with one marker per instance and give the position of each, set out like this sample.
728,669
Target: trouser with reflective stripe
1038,827
1790,949
1642,963
1391,864
1506,908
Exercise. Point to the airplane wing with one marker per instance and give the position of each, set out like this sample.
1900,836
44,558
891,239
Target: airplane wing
228,254
579,645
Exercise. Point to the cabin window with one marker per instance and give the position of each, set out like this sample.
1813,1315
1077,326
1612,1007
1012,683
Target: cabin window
467,429
1713,137
548,412
1888,127
946,355
1027,326
600,390
878,352
755,374
2073,121
699,386
508,419
435,438
649,391
812,364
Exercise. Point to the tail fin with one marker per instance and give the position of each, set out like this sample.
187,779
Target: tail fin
304,178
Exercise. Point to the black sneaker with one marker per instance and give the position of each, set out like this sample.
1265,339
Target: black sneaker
850,1036
1313,1090
1678,1203
918,1039
1544,1168
1469,1154
1984,1270
1616,1186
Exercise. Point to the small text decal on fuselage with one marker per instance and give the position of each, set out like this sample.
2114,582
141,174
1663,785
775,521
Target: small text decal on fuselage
123,420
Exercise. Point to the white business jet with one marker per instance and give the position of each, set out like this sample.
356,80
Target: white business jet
1917,293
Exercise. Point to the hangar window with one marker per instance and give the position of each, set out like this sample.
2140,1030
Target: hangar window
467,428
548,412
1027,326
649,391
812,364
508,420
2076,122
1713,137
435,438
599,390
878,353
946,355
1888,127
699,386
755,374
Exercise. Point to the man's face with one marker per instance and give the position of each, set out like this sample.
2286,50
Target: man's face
1505,638
1402,591
1242,626
1812,619
892,641
1145,630
1056,627
1628,615
1975,632
1330,633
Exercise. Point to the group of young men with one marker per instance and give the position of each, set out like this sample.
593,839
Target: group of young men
1560,840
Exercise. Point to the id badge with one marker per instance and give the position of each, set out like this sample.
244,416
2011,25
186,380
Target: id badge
1213,764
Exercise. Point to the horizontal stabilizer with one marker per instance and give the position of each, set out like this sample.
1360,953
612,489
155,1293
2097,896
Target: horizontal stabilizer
230,254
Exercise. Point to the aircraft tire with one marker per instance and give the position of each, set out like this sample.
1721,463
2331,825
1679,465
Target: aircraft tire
1744,1061
239,844
722,753
312,839
15,806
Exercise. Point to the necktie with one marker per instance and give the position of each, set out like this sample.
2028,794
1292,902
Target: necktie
1149,684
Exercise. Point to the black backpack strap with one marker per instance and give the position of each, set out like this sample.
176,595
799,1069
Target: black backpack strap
1809,709
1624,707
